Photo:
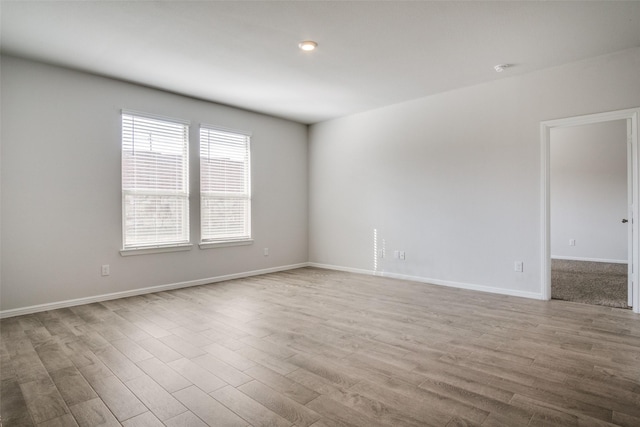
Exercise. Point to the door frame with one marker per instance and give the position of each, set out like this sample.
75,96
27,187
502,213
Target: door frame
632,116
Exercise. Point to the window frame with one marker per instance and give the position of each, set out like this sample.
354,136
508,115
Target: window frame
139,248
246,238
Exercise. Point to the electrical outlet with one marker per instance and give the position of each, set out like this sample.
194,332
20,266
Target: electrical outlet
105,270
572,242
518,266
402,256
266,251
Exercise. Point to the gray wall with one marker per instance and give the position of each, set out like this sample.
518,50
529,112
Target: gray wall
589,192
61,199
454,179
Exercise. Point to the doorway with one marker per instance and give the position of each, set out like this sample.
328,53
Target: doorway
630,118
589,203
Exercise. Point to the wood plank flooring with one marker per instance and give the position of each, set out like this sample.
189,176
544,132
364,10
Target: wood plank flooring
320,348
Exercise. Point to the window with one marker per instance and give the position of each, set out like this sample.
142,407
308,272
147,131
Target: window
225,186
155,182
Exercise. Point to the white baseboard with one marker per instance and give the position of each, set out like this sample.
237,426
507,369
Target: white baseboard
572,258
209,280
340,268
142,291
469,286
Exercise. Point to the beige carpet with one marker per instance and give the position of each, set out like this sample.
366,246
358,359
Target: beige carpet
596,283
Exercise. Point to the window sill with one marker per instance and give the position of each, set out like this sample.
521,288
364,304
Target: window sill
155,250
224,244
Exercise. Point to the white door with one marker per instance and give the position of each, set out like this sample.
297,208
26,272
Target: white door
630,214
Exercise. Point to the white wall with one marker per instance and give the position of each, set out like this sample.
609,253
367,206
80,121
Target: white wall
454,179
589,191
61,200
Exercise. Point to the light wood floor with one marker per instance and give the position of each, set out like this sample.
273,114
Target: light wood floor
320,348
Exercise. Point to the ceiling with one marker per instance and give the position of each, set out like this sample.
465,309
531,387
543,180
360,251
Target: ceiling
370,54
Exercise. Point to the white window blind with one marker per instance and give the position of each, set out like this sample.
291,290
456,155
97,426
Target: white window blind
155,181
225,185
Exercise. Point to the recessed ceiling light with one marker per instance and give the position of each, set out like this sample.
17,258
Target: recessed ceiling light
307,45
501,67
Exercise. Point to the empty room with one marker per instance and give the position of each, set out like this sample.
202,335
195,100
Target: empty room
319,213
